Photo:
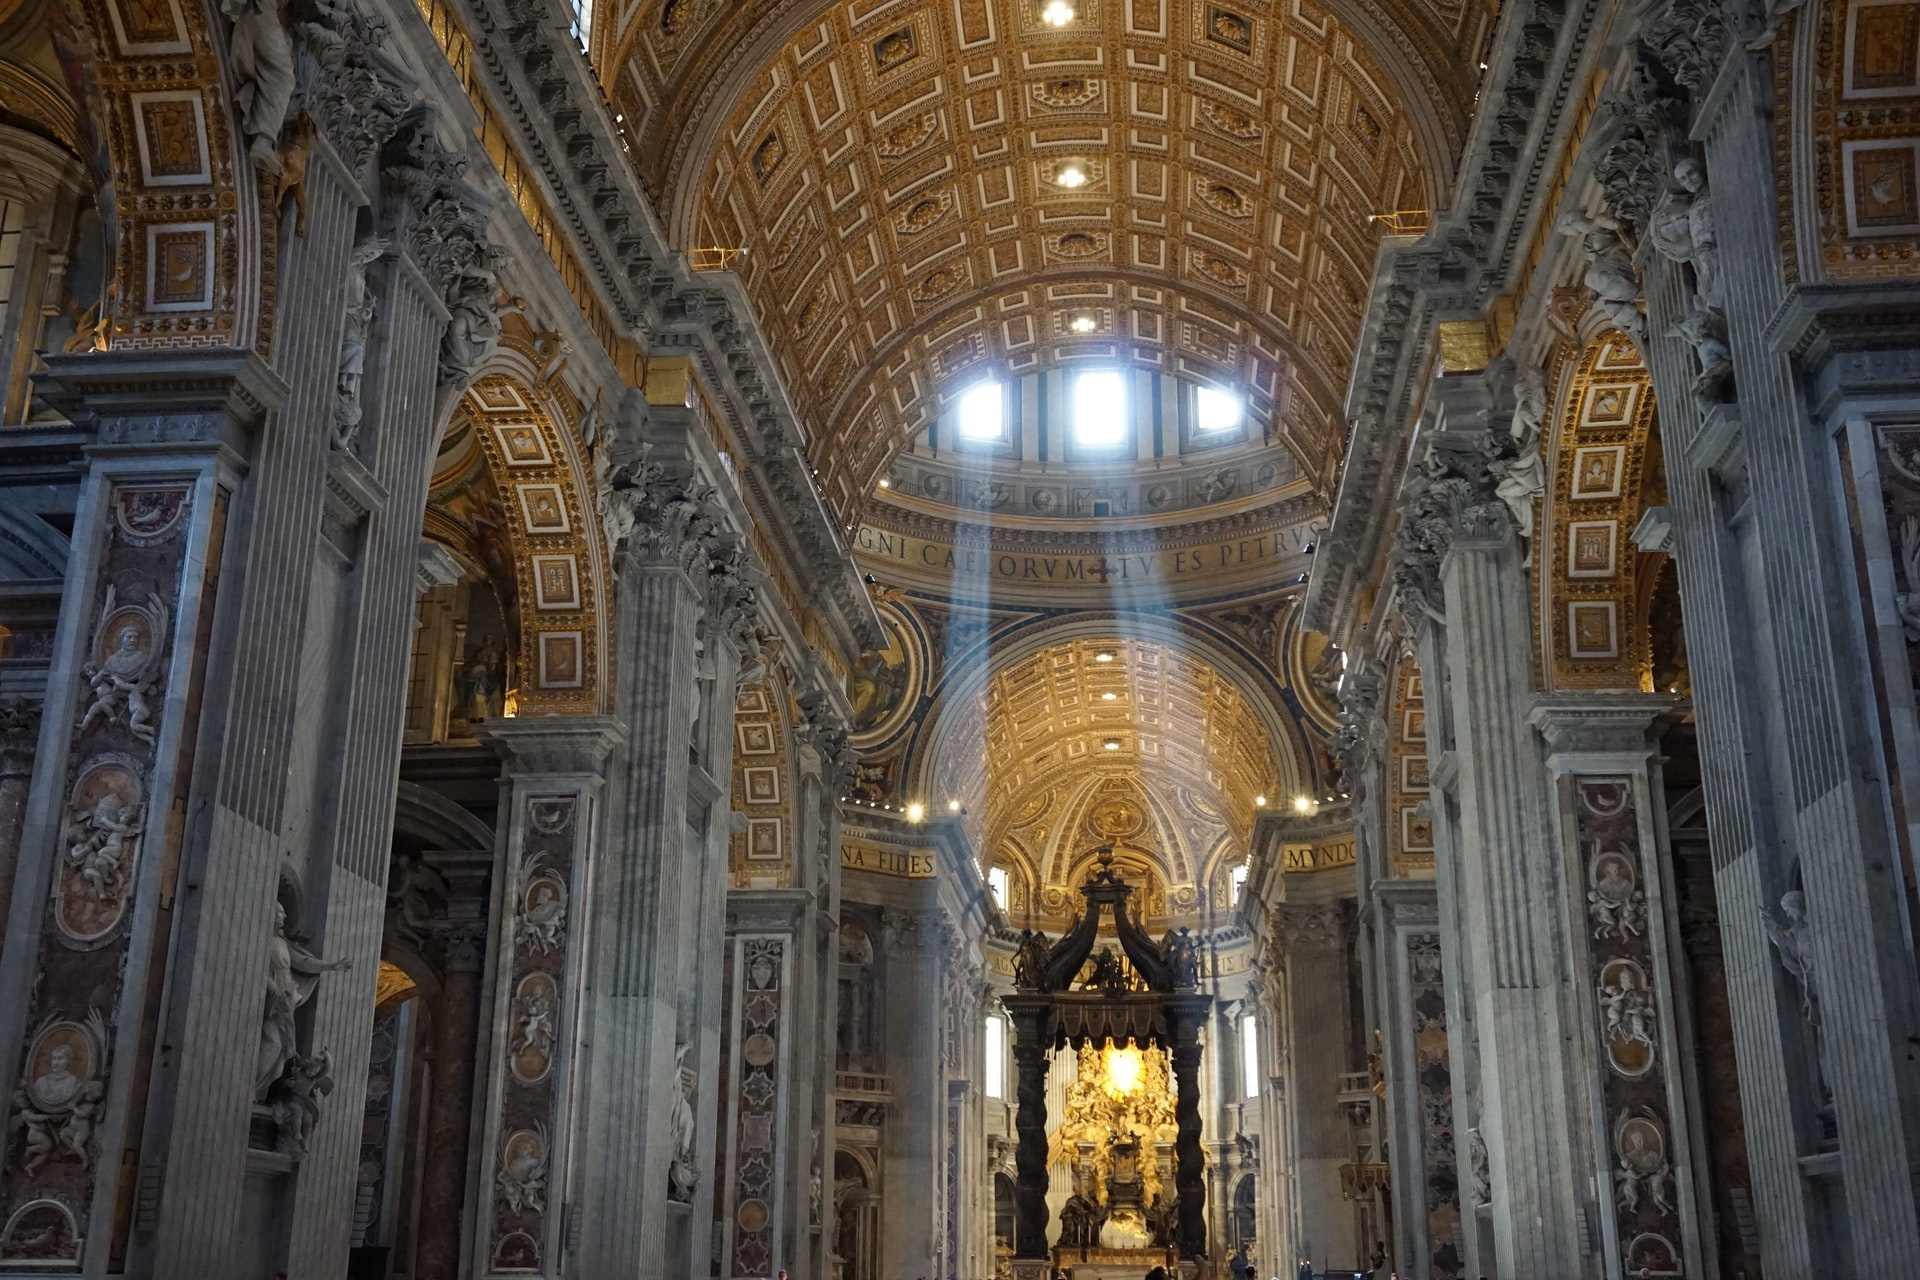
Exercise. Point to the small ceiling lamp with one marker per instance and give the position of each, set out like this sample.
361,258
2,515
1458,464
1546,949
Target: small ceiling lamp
1070,174
1056,13
1111,744
1260,802
1109,696
916,811
1103,656
1083,323
953,806
1306,805
885,483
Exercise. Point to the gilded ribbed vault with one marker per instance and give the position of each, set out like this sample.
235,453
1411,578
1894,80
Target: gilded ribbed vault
1177,790
895,172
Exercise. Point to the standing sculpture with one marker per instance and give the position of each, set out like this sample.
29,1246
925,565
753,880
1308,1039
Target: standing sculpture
1610,275
262,54
293,974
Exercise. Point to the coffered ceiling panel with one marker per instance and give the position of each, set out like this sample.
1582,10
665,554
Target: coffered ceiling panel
931,191
1151,723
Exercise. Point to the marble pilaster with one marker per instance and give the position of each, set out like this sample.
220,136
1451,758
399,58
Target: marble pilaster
1542,1210
1623,938
554,770
88,934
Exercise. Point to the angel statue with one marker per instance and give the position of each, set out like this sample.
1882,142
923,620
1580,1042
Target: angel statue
293,974
1030,961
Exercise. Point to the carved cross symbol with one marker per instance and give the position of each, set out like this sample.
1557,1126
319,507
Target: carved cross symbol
1102,569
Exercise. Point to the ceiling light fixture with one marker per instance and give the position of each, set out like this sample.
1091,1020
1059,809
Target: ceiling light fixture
1083,323
1111,744
1108,697
916,811
953,806
1071,174
1103,656
885,483
1260,801
1305,804
1056,13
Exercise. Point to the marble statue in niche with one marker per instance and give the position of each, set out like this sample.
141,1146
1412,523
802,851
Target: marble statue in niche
482,682
1789,932
61,1091
353,346
293,975
101,844
124,675
683,1175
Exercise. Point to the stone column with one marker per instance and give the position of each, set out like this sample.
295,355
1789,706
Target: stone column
1185,1016
1624,952
659,890
1508,896
457,1046
1028,1018
90,922
915,944
554,769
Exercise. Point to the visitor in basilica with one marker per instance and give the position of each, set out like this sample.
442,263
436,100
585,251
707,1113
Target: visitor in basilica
995,640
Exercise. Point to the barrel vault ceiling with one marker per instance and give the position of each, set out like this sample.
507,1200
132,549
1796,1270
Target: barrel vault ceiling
895,172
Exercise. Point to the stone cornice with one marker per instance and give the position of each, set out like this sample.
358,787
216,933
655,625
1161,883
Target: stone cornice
541,83
1541,50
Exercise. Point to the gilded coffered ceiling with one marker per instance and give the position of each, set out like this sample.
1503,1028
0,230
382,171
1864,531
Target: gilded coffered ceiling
1177,787
903,177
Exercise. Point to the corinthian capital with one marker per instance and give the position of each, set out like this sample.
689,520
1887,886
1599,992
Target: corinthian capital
657,518
1302,927
826,732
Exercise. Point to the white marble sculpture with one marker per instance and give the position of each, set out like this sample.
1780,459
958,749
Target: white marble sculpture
1610,274
293,974
99,844
1681,228
353,345
262,55
1523,476
683,1175
122,683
